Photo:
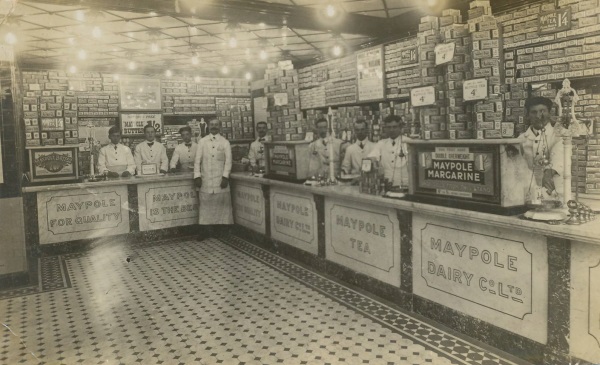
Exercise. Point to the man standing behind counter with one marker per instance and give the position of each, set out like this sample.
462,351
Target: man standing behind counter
151,152
115,159
543,148
212,166
392,153
185,152
257,148
360,149
319,151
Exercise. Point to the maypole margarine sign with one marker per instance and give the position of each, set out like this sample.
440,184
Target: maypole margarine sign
458,171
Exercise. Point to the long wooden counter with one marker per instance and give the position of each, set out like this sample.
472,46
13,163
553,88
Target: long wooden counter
522,286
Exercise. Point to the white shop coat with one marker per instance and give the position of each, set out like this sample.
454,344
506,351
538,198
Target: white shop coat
393,158
212,162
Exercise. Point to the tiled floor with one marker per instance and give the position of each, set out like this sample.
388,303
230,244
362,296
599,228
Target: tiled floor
187,301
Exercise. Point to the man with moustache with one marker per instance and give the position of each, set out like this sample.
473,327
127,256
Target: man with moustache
212,166
257,148
360,149
185,153
392,153
151,152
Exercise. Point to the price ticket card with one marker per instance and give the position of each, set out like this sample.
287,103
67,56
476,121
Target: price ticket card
476,89
444,53
422,96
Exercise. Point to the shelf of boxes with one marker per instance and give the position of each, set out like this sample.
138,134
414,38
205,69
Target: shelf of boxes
235,115
328,83
285,121
402,68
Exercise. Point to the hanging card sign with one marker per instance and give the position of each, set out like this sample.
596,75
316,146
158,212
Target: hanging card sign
280,99
444,53
555,20
371,85
422,96
476,89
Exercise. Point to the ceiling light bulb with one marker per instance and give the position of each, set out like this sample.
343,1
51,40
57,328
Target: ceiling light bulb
80,15
71,40
72,69
154,47
82,54
232,42
225,70
10,38
153,13
248,76
262,24
132,65
263,55
431,3
168,73
337,50
116,77
195,60
97,32
330,11
197,78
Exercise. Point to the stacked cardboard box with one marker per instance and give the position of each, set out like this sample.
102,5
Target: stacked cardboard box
281,90
49,110
486,55
456,71
190,104
345,116
402,68
312,98
235,116
328,83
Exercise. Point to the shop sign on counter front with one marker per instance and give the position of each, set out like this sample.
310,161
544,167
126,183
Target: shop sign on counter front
167,204
249,206
294,219
65,216
365,239
492,274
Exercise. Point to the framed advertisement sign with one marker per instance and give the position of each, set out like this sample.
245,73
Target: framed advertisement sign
132,124
53,164
139,94
371,83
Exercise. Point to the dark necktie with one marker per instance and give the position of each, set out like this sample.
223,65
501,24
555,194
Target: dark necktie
115,147
261,140
188,145
361,145
150,144
393,142
325,143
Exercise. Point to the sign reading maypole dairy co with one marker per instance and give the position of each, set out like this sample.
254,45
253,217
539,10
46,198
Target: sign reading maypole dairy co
585,301
167,204
249,206
497,275
294,219
365,239
68,215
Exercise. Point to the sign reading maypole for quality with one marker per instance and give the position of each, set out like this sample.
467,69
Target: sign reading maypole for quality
371,84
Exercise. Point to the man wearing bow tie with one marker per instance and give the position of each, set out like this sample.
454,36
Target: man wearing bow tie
257,148
185,152
115,159
360,149
151,152
392,153
212,166
319,151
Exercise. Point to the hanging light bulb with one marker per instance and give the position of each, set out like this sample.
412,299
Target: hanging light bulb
154,47
248,76
116,77
232,41
82,54
97,32
80,15
71,40
195,60
197,78
132,65
263,54
337,50
10,38
168,73
72,69
225,70
330,10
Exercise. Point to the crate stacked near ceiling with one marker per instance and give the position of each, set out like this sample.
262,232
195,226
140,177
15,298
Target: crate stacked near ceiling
235,115
486,53
184,96
456,71
49,110
329,83
402,71
432,117
281,89
97,95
